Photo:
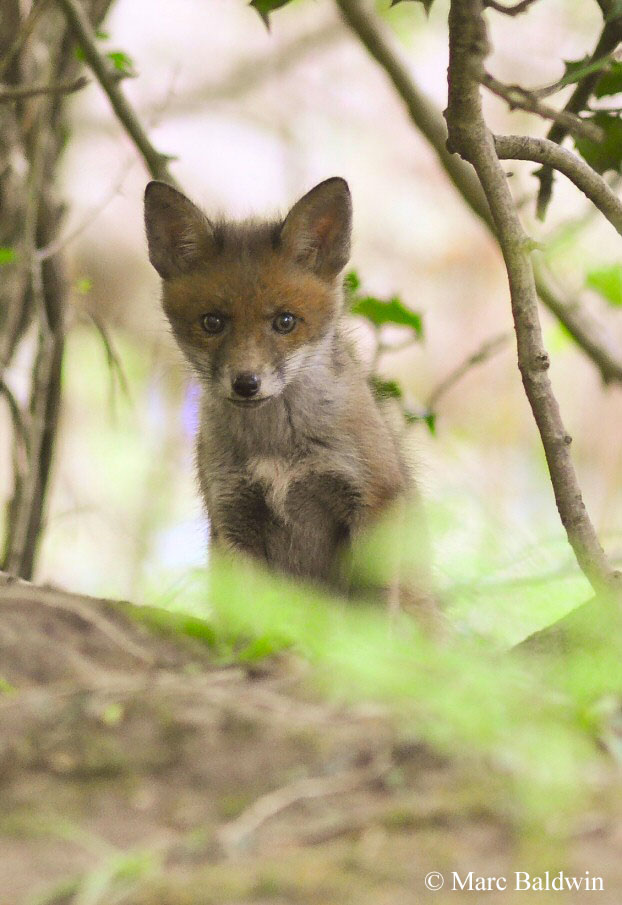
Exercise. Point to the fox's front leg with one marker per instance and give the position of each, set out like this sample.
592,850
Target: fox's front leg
241,520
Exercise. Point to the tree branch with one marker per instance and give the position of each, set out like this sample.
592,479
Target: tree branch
156,162
487,349
595,340
610,37
469,136
428,120
20,92
541,150
421,110
521,98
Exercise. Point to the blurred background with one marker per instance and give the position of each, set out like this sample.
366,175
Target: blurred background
254,119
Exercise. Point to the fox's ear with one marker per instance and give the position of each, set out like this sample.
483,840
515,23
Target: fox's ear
316,232
179,235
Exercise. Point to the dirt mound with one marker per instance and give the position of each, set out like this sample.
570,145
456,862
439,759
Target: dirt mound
134,770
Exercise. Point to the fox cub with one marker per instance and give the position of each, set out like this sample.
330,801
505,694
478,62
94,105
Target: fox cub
294,457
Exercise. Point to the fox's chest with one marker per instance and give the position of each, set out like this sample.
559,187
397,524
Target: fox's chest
276,477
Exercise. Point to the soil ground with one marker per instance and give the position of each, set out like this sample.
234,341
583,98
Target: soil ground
135,771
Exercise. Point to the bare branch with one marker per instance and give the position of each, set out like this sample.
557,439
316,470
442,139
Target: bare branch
421,110
515,10
541,150
156,162
487,349
596,340
469,136
20,92
19,430
521,98
237,832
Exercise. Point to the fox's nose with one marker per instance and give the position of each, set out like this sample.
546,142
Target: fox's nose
246,385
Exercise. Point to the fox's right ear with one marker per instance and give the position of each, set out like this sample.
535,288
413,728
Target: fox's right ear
316,232
179,235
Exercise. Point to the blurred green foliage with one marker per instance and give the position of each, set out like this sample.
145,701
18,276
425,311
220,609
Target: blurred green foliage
538,720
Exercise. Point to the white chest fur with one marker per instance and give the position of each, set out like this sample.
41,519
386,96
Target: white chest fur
275,476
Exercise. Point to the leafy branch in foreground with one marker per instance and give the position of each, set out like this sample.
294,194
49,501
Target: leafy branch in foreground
428,120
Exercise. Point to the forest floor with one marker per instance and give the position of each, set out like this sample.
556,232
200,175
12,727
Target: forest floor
135,770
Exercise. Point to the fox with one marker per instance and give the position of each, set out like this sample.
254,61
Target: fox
294,456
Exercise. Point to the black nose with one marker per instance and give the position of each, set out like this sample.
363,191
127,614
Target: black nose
246,385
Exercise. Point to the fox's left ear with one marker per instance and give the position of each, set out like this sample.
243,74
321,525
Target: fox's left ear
317,230
179,235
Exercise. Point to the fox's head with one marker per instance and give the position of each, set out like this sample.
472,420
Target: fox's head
251,304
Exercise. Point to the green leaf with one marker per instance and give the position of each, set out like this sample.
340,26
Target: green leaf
7,255
392,312
121,61
351,282
575,70
610,82
265,7
425,3
385,389
429,419
606,154
607,281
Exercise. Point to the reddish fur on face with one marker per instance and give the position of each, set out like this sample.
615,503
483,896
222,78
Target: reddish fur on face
249,292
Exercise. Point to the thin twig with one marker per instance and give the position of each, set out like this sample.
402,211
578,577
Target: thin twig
233,834
20,433
595,339
421,110
487,349
155,161
71,603
20,92
114,360
521,98
515,10
541,150
469,136
62,241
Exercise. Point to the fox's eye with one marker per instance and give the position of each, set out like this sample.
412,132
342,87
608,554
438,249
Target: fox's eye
213,324
284,323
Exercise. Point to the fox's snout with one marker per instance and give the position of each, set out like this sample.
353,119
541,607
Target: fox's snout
246,385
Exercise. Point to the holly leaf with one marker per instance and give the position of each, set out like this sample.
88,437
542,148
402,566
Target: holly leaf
392,312
265,7
606,154
610,82
607,281
425,3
